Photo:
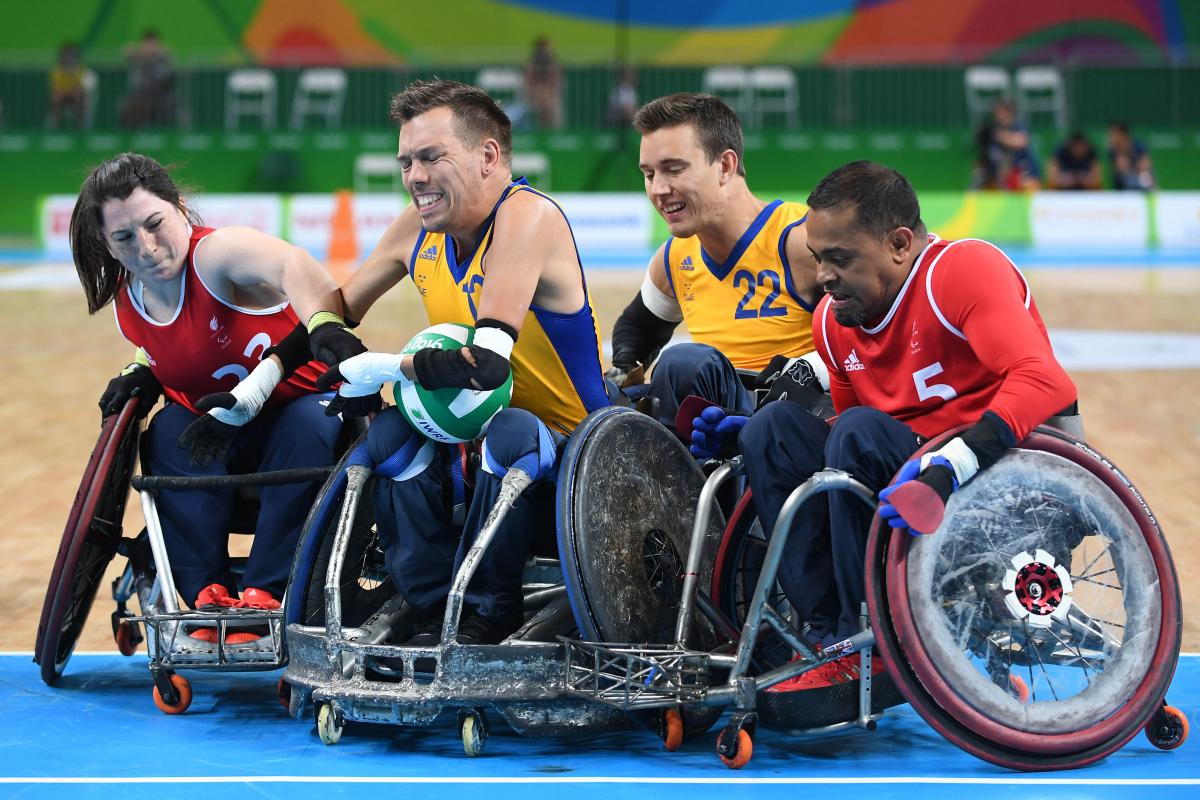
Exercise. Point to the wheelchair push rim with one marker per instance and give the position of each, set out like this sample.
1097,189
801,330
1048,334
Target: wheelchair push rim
89,542
1081,603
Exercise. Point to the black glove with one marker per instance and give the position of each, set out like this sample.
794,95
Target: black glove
208,439
332,343
135,381
790,379
347,406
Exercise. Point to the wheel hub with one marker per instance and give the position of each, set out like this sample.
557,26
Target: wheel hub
1037,589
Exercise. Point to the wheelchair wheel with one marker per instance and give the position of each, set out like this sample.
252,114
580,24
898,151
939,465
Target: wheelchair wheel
365,583
735,576
89,542
627,495
1049,568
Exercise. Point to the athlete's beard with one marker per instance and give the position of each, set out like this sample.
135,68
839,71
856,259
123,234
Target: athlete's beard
852,314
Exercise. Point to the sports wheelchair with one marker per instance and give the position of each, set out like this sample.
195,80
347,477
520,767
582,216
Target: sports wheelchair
242,639
1037,629
627,490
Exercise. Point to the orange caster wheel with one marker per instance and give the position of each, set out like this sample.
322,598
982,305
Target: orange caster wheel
183,692
127,638
1168,728
672,729
742,751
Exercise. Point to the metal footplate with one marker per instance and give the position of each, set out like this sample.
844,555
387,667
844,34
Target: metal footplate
173,642
631,677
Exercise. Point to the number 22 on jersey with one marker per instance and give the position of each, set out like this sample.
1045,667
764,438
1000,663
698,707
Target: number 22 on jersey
751,283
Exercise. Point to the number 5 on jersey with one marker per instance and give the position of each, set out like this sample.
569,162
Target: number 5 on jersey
926,390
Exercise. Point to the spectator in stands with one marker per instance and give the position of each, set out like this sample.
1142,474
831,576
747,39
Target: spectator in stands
623,99
543,85
1075,164
1006,157
151,98
1128,159
68,95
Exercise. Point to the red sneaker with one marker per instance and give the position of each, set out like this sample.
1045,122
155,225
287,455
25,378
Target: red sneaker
217,595
840,670
260,599
211,636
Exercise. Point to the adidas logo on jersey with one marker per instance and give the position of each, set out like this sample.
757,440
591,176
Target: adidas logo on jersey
429,253
852,364
686,264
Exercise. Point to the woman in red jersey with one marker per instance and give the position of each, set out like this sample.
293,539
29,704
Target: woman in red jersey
210,313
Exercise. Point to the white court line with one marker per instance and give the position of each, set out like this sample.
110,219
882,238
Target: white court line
76,654
485,780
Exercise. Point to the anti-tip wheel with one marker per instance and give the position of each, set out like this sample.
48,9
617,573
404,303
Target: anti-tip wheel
1168,728
672,729
743,749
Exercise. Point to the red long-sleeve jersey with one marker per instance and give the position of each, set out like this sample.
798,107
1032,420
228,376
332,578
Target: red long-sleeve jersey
963,337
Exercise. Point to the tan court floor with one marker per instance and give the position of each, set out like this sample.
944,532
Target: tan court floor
58,361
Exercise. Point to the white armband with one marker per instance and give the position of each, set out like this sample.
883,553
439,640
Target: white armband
659,303
495,339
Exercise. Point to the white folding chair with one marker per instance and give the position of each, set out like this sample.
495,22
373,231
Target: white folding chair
1040,90
320,93
250,93
774,91
534,166
731,84
377,172
506,85
984,85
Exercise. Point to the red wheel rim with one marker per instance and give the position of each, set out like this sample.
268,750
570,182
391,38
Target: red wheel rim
1118,726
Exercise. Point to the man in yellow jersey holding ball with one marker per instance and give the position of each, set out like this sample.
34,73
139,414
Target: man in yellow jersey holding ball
492,253
735,269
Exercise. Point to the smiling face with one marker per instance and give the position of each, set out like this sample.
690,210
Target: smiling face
681,182
860,271
443,174
148,235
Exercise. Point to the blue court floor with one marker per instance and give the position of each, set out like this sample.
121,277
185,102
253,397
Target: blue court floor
98,734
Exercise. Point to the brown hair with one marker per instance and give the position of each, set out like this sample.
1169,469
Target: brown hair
716,124
477,115
100,274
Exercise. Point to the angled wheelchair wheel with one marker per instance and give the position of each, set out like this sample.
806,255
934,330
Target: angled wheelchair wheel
89,541
1049,573
627,496
738,564
365,583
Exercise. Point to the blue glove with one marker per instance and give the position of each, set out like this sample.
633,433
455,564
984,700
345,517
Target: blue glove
711,429
918,495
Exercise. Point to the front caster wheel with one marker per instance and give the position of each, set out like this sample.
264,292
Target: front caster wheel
473,728
176,698
330,723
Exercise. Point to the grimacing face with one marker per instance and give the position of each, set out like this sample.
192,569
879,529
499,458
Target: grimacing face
861,272
681,182
439,170
148,235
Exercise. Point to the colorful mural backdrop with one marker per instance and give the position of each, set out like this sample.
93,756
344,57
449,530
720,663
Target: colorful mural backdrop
375,32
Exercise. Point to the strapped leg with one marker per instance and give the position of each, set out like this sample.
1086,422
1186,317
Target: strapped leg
690,368
515,438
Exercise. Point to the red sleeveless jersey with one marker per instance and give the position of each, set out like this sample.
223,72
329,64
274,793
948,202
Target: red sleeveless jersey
210,344
963,337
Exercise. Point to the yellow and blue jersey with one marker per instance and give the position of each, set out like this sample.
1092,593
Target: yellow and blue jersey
748,306
556,361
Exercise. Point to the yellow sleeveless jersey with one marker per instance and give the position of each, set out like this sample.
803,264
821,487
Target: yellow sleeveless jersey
556,362
747,307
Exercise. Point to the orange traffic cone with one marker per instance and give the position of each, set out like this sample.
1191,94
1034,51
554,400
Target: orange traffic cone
343,244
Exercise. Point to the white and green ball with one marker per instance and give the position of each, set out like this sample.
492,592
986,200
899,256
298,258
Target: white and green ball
448,415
